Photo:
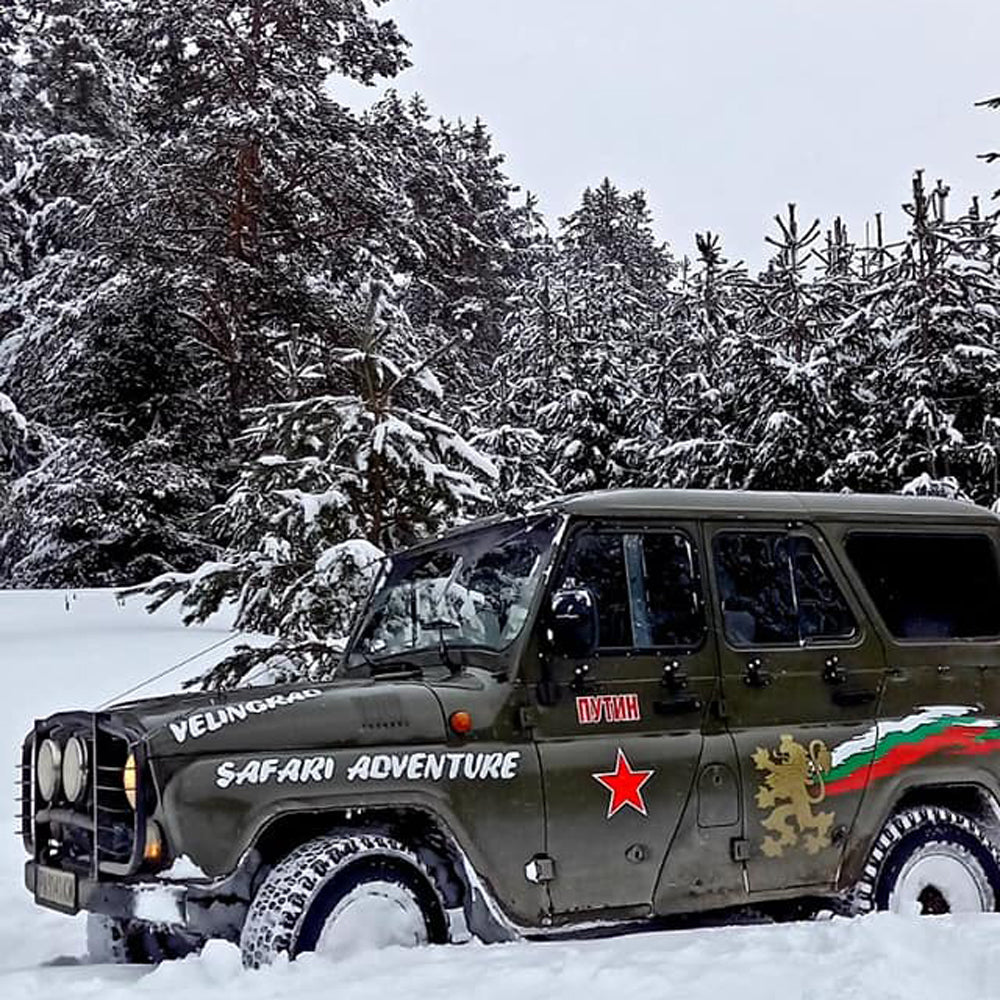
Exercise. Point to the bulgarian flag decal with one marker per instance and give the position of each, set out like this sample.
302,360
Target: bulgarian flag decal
889,746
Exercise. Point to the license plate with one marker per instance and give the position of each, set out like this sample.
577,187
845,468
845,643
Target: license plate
56,889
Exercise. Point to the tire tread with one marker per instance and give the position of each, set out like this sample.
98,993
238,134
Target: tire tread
900,826
282,902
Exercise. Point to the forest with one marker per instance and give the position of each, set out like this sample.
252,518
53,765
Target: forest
251,338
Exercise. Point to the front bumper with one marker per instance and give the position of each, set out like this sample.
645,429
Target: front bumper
197,909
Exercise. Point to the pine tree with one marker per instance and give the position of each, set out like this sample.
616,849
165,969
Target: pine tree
64,100
461,240
570,358
934,406
339,478
260,190
695,385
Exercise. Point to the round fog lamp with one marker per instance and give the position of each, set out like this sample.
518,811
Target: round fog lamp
74,769
48,768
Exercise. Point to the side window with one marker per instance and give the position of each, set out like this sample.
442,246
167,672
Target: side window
823,612
597,562
755,589
646,586
775,590
673,597
930,586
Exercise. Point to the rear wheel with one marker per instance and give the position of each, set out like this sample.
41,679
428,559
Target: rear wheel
339,895
929,861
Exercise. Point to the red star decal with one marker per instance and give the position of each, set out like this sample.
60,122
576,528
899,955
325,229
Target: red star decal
625,785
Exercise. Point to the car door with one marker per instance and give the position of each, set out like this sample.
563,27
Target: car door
620,738
802,670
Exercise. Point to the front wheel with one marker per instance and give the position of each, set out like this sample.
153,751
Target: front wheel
929,861
339,895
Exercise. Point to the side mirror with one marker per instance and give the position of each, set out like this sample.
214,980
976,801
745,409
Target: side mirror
572,623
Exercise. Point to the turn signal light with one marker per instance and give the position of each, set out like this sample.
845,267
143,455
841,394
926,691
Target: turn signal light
154,844
461,723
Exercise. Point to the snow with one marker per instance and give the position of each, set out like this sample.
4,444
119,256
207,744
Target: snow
65,651
159,904
8,409
183,868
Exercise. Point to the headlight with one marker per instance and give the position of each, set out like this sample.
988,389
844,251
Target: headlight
130,781
48,768
74,769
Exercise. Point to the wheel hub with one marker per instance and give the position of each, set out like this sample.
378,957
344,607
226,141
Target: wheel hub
939,879
373,915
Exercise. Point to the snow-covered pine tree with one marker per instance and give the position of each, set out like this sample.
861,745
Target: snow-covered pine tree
461,239
695,387
572,356
259,190
362,466
785,409
935,396
105,501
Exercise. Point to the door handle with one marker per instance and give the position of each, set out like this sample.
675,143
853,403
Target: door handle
681,705
674,679
834,672
755,675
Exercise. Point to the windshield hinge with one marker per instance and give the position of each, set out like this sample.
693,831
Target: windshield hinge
527,718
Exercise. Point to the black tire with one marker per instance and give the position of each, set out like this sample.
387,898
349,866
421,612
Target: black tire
113,941
290,909
927,833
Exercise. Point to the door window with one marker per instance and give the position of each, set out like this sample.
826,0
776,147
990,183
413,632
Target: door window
646,587
597,562
930,586
775,590
673,591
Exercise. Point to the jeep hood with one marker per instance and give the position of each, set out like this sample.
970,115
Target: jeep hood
286,717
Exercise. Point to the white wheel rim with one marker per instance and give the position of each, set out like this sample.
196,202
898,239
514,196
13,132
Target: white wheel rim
373,915
941,878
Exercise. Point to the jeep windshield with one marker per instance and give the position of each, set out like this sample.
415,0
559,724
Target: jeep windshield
471,591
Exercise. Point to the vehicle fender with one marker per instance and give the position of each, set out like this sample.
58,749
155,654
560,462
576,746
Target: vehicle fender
486,794
971,790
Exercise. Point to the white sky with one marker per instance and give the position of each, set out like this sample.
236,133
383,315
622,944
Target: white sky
722,110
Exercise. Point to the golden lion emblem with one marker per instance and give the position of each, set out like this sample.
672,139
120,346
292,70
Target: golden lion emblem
795,779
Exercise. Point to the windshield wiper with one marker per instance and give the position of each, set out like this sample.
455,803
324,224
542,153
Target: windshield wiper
376,669
443,625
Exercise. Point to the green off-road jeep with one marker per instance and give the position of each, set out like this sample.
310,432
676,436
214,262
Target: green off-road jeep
622,707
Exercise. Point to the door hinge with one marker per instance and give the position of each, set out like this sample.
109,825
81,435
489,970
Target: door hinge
739,849
540,869
527,718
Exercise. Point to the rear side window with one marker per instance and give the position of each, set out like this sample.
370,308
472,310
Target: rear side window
930,586
776,591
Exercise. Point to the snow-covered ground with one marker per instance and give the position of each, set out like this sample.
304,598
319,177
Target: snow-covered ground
56,653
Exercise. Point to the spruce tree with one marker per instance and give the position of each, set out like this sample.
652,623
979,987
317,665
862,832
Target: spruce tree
361,467
571,356
693,380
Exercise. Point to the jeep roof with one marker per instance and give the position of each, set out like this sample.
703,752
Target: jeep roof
729,503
